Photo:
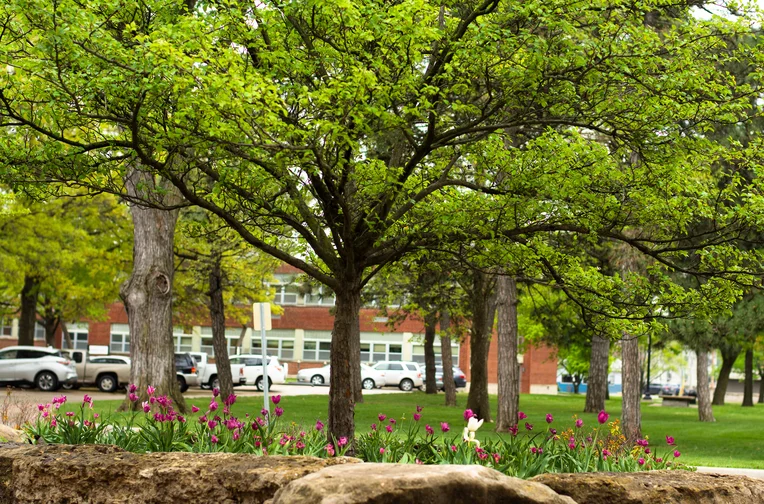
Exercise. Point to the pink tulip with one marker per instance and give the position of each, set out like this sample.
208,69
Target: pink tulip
579,423
429,430
521,415
444,427
194,409
549,418
276,399
602,417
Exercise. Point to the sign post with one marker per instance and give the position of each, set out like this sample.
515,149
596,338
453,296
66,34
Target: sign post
261,319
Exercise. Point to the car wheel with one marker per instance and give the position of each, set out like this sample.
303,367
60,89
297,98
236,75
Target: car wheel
317,380
368,384
406,385
70,386
107,383
182,384
47,381
215,382
259,384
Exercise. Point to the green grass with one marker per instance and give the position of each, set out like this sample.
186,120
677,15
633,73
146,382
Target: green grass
736,439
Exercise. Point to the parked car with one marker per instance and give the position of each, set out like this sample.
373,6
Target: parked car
45,368
654,389
460,379
673,389
404,375
253,370
107,372
187,374
370,377
208,372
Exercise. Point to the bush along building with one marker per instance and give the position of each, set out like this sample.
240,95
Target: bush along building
300,338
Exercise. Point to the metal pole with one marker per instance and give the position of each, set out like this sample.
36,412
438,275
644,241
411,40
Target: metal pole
649,351
265,357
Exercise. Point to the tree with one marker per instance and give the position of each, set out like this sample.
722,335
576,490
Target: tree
698,335
216,268
147,294
66,255
508,369
363,132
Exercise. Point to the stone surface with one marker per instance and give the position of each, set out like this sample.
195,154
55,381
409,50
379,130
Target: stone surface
11,435
106,474
420,484
656,486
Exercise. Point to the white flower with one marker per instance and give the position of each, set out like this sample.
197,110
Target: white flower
474,424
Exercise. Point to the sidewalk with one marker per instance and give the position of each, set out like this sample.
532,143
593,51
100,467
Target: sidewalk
751,473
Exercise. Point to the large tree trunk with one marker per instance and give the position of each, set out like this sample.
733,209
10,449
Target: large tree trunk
483,309
509,369
217,315
705,411
65,336
596,390
630,371
28,315
343,383
147,295
446,358
430,386
729,356
748,387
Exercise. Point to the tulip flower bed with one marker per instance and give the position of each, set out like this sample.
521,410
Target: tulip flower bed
525,451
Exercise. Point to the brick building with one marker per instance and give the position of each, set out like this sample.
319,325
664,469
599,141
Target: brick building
301,337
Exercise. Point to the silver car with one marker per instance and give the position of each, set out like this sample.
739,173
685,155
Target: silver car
45,368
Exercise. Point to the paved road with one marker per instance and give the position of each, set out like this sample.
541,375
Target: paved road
751,473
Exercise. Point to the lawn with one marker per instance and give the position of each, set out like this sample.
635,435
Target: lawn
735,440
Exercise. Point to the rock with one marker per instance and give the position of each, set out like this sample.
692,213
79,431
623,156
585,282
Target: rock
419,484
107,474
11,435
656,486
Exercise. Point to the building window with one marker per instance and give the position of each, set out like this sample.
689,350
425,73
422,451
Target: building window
119,341
182,342
6,327
375,352
282,348
322,297
39,331
286,294
79,336
232,336
418,354
313,350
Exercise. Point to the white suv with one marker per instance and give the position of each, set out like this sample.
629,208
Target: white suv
404,375
253,370
46,368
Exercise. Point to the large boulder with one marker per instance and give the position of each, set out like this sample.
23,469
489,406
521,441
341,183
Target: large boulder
673,487
106,474
415,484
11,435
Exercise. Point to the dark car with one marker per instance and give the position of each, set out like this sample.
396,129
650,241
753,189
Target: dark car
185,367
460,379
673,390
654,389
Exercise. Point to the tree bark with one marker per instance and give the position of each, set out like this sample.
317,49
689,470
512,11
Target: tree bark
705,411
509,369
147,294
217,315
28,315
748,387
430,385
729,356
65,336
343,383
446,358
483,309
630,371
596,390
51,325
